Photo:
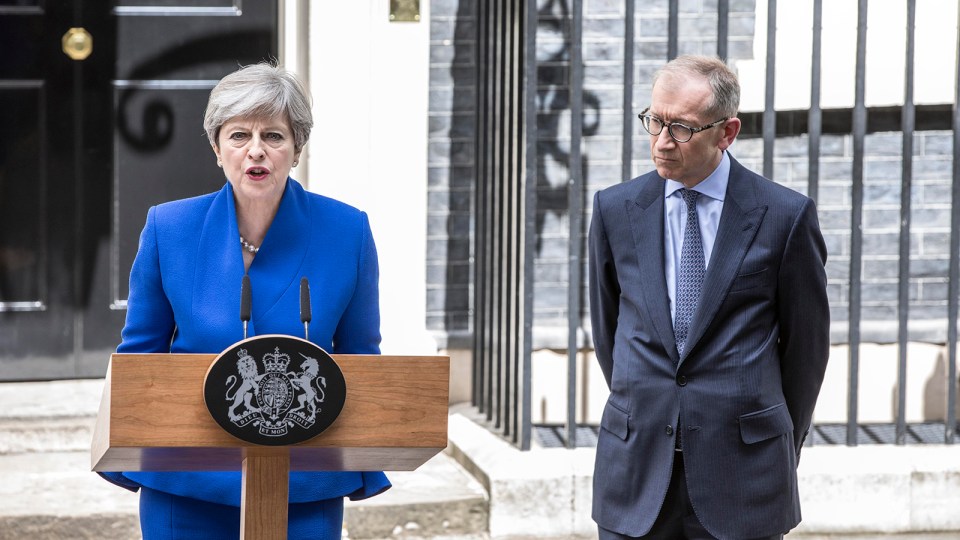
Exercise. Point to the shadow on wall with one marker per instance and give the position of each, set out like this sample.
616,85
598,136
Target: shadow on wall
554,110
935,392
461,175
926,384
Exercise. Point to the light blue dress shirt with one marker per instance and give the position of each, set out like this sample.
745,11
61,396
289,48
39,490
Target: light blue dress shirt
709,206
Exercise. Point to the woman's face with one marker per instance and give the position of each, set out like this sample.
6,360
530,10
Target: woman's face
257,155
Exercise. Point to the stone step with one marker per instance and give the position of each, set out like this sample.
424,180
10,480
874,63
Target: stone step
51,416
439,499
53,495
63,434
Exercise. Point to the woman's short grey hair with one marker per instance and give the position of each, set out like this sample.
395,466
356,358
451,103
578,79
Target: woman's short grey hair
723,81
259,91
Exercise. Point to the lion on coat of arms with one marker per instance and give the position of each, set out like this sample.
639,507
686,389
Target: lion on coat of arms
250,379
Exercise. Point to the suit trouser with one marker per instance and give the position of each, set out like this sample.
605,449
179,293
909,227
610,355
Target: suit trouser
169,517
677,519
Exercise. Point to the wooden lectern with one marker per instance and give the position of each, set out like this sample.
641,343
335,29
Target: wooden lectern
153,418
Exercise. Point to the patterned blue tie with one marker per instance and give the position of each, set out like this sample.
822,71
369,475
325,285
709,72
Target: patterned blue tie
691,272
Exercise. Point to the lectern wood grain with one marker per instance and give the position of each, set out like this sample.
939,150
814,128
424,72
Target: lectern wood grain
152,417
266,481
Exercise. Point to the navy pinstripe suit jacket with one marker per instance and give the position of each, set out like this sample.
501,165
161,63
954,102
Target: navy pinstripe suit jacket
745,389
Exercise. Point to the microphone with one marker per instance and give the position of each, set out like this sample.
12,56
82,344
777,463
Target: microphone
305,315
245,302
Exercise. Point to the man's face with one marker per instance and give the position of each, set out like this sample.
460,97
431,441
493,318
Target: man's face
684,100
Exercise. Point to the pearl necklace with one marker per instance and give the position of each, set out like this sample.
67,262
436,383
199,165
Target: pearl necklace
248,246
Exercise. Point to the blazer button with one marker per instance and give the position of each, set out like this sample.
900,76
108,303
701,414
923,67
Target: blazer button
669,430
681,380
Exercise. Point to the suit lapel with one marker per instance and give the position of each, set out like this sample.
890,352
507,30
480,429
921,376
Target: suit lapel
274,270
739,222
277,266
219,261
646,220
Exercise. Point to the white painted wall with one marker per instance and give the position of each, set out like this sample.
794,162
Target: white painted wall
935,54
369,80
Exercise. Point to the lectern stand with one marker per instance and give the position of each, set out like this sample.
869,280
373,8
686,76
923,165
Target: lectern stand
153,418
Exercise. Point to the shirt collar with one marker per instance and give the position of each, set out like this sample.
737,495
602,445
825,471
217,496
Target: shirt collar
713,186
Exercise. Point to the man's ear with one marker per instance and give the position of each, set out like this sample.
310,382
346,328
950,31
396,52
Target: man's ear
730,131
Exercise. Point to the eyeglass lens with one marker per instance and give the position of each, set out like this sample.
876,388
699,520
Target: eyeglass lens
679,132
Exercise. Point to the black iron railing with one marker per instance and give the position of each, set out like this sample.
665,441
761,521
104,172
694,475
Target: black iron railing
503,292
505,204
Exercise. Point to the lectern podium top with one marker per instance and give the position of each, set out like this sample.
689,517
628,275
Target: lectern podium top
153,417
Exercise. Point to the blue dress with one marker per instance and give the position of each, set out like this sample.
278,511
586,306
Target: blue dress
185,298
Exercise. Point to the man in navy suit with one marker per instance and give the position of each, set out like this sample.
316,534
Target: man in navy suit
711,325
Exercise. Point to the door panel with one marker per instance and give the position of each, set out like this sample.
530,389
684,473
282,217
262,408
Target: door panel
87,146
167,158
22,191
36,318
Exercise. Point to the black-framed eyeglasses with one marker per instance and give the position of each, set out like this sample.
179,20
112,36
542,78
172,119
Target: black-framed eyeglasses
679,132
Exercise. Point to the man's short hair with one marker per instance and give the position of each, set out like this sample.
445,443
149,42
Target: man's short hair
723,81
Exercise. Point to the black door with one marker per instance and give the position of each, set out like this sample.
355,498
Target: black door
87,144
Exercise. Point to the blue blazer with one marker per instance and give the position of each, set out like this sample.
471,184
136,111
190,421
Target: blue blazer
185,298
745,389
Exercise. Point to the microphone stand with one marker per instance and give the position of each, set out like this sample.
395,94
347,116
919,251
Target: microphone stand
305,312
245,302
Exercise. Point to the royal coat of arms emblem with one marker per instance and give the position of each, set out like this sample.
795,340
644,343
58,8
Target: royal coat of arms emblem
274,390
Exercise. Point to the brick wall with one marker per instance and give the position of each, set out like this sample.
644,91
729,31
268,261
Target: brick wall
450,170
929,230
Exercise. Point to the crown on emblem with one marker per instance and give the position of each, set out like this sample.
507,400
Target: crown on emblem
276,361
242,353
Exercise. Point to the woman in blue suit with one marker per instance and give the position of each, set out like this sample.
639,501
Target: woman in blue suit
185,282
